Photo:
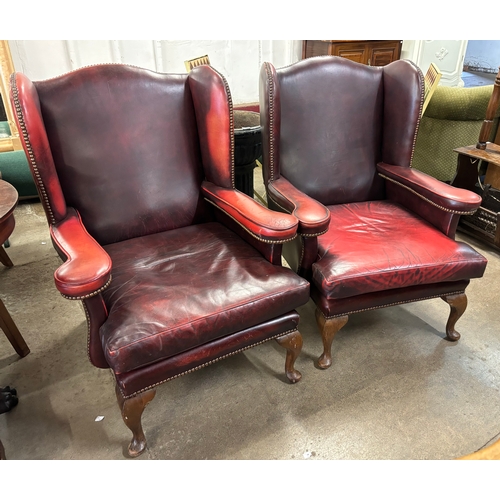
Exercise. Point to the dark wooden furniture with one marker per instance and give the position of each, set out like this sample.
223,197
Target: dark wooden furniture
484,224
370,52
8,202
247,148
472,160
373,232
176,269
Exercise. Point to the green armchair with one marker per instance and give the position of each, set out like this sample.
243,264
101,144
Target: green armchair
452,119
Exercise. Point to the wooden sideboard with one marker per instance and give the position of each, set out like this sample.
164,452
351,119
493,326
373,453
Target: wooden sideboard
370,52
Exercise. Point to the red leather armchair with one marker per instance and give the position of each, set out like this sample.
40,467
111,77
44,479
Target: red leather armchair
175,268
338,140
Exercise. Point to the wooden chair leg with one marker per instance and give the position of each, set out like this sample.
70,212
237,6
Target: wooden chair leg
328,328
132,409
292,342
458,304
4,258
13,334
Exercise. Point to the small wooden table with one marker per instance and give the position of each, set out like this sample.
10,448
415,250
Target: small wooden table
485,223
8,202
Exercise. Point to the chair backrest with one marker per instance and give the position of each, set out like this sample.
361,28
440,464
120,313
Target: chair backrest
431,81
453,118
335,119
124,144
197,61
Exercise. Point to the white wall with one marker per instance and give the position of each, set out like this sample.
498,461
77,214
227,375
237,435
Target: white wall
483,55
448,55
238,60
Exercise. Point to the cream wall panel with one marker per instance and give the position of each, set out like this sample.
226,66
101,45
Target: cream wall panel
40,59
448,55
238,60
137,52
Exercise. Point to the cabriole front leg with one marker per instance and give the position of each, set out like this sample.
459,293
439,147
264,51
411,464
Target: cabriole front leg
458,304
328,328
292,342
132,409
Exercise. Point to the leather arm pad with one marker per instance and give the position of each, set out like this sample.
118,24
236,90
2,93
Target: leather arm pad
262,223
441,195
314,217
87,269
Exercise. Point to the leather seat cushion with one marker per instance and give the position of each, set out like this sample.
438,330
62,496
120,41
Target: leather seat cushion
379,245
176,290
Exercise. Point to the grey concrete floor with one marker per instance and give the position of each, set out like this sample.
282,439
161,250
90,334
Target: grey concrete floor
397,389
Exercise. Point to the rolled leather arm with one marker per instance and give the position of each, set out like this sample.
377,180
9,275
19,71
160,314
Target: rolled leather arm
441,195
87,269
314,217
262,223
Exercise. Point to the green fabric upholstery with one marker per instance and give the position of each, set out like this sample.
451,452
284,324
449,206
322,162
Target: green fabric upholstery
4,129
452,119
15,170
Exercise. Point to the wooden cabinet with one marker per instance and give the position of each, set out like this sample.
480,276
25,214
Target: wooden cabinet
370,52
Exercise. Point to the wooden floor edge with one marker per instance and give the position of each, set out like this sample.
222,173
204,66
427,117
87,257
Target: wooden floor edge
491,452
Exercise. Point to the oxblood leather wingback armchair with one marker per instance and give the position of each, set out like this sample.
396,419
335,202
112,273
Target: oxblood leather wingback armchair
338,141
175,268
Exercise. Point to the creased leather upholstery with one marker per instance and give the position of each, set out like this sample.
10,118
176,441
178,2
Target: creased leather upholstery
379,245
179,289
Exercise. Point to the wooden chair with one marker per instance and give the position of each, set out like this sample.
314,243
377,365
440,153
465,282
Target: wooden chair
431,81
197,61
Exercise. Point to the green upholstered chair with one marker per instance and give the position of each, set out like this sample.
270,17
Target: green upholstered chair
14,168
452,119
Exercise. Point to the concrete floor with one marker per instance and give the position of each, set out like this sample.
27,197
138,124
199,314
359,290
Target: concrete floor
396,390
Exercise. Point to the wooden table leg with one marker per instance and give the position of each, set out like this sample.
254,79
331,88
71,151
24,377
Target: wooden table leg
10,329
4,258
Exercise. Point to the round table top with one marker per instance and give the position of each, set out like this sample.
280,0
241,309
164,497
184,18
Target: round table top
246,119
8,199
